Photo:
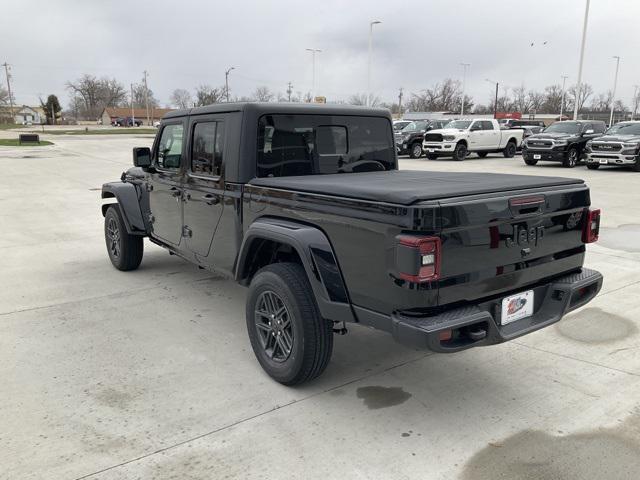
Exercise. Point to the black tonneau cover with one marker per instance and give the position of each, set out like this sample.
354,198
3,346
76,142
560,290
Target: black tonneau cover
406,187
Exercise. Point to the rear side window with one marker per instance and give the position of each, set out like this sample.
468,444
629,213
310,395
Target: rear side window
170,147
486,125
207,148
323,144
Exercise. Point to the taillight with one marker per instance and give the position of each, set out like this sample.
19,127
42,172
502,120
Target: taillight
418,258
591,226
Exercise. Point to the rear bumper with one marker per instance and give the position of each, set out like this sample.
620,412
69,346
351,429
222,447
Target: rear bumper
478,325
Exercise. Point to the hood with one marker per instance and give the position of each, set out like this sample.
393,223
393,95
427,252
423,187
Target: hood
552,136
447,131
618,138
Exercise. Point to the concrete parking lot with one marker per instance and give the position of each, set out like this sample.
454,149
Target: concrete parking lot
149,374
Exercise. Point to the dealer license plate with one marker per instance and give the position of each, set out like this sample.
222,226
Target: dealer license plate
516,307
537,157
603,161
431,150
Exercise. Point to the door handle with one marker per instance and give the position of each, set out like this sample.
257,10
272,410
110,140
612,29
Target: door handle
175,191
211,199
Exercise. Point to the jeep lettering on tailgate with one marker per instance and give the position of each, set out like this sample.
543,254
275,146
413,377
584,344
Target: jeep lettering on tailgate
524,237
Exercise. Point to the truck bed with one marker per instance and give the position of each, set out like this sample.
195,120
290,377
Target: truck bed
406,187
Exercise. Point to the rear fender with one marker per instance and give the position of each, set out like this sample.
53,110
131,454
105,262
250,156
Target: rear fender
317,258
127,197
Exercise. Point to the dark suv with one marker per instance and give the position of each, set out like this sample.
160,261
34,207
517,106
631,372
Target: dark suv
409,139
561,142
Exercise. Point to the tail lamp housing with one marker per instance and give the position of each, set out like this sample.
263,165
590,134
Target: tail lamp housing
591,226
418,258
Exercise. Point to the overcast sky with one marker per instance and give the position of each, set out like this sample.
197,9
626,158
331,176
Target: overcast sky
185,43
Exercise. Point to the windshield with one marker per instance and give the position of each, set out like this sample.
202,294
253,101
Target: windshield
458,124
625,129
564,127
290,145
414,126
397,126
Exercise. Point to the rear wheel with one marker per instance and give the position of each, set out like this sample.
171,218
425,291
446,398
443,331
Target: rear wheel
571,160
460,152
636,166
530,161
510,150
416,150
593,166
290,339
483,154
125,250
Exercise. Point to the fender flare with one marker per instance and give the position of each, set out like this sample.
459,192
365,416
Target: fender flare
318,261
126,195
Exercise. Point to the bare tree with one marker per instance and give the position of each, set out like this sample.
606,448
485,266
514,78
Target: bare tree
521,100
4,96
552,99
97,93
602,103
361,99
445,96
139,100
585,92
206,95
263,94
181,98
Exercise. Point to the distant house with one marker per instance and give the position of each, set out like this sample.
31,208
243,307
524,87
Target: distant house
110,114
23,114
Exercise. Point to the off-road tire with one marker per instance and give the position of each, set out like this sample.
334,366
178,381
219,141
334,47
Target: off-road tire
415,150
593,166
636,166
312,342
125,250
510,150
530,161
460,152
572,159
482,154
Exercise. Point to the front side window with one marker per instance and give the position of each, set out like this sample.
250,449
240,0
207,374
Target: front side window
170,147
291,145
207,148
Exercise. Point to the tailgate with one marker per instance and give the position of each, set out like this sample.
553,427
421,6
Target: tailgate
492,244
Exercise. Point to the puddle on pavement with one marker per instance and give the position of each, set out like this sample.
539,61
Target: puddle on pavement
625,238
375,397
597,454
595,326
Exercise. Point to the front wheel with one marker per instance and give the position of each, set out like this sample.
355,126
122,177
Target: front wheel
593,166
636,166
290,339
415,151
460,152
432,156
530,161
571,159
125,250
510,150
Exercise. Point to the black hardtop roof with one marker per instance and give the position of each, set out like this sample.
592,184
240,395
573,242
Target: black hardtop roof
262,108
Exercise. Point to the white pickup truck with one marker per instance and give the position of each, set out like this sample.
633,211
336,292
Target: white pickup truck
460,137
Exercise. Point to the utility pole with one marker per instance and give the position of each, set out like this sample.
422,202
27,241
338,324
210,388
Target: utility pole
613,95
146,95
133,118
226,82
495,103
564,81
584,39
464,80
371,24
400,103
6,71
289,90
313,80
635,102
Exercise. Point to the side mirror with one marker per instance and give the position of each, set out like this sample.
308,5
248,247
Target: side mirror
589,131
142,157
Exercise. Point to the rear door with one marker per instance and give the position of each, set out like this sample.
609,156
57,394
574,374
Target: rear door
165,183
204,183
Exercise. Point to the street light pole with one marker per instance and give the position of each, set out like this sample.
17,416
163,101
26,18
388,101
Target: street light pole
464,80
635,102
226,82
313,81
613,94
584,39
371,24
564,81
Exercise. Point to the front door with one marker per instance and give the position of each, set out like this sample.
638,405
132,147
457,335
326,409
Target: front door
165,196
204,184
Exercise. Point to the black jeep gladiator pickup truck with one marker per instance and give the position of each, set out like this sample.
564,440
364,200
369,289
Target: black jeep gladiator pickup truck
305,205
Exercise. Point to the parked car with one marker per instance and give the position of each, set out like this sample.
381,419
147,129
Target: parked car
305,206
619,146
530,130
561,142
519,123
409,139
461,137
400,124
126,122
